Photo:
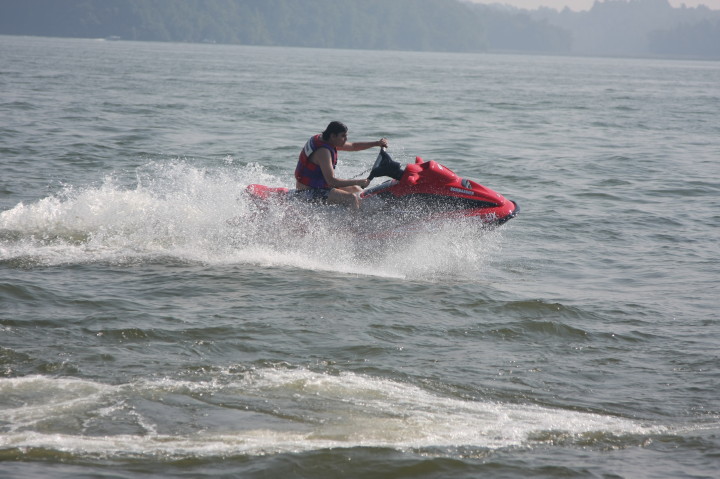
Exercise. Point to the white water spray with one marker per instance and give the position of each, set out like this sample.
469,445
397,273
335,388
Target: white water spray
175,210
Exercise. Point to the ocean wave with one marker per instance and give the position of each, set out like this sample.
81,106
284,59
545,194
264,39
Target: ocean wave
279,410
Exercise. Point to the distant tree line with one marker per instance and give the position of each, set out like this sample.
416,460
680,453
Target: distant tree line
611,27
639,28
444,25
700,40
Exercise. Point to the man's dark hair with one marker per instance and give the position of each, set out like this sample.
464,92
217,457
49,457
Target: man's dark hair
334,128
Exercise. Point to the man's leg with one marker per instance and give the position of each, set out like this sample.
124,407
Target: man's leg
348,195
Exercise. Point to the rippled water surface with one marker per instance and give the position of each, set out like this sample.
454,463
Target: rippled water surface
153,324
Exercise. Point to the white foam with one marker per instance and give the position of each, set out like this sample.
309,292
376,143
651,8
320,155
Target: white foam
305,411
31,400
383,412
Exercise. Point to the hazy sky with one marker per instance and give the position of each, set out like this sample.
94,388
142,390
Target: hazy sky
586,4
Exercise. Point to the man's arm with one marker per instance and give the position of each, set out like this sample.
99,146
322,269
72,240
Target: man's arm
363,145
324,161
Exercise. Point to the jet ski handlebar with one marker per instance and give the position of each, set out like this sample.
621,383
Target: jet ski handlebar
386,166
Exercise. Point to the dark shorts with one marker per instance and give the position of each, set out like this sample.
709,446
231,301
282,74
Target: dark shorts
313,195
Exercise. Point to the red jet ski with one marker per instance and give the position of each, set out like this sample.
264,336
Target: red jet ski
424,189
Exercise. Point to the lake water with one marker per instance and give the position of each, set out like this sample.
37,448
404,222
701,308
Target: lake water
150,326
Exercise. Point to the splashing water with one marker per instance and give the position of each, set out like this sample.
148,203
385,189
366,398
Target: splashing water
178,211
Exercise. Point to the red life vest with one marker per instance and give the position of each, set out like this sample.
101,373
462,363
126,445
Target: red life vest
307,172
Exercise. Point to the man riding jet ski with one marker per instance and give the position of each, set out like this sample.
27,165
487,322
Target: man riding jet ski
426,188
315,177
